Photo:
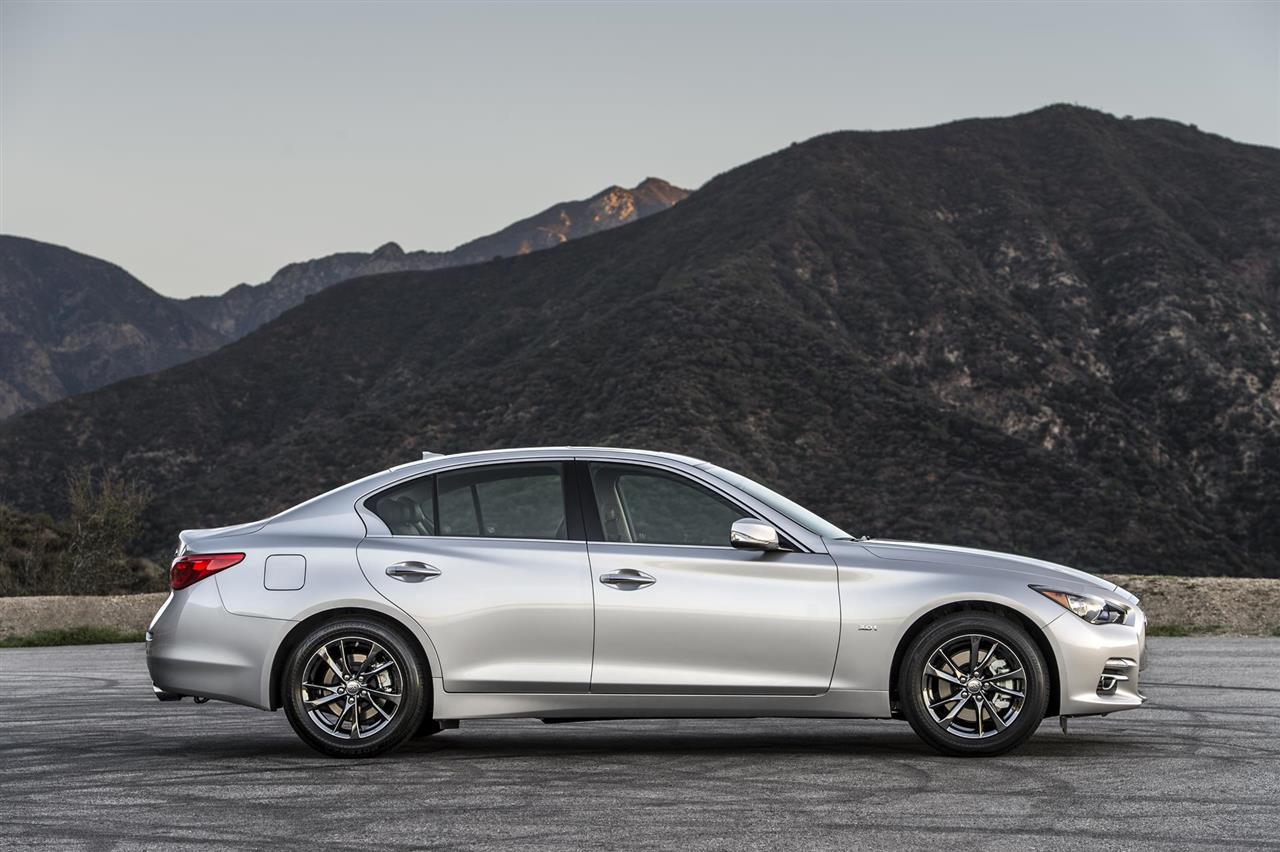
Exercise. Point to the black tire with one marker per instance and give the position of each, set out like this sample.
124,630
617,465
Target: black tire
975,729
360,639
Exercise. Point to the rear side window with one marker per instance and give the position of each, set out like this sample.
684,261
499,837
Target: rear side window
643,505
458,515
407,509
499,501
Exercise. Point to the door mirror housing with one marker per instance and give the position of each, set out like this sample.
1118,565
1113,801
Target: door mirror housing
750,534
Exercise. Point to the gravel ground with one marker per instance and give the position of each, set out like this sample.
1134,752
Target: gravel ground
92,761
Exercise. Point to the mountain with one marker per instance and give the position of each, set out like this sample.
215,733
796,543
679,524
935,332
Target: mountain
1053,333
242,309
70,323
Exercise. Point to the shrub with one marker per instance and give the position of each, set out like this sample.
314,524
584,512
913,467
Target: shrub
84,556
104,519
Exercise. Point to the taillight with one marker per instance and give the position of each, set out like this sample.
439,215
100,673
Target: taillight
194,567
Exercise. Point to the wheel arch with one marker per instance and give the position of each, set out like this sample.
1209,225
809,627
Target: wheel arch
1036,633
419,643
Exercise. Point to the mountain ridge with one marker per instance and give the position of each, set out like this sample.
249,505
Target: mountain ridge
106,345
71,322
245,307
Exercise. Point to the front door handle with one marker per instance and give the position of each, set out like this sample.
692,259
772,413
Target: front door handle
412,572
627,579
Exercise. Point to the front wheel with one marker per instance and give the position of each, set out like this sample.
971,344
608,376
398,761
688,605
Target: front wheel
973,684
354,688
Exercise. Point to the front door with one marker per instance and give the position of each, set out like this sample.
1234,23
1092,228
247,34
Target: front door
492,565
678,610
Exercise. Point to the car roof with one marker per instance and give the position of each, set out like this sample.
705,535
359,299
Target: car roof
514,453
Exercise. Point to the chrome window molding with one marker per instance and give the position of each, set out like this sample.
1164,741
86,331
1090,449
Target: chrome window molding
392,535
807,541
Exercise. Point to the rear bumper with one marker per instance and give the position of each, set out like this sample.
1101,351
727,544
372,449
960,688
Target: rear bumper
1098,664
195,647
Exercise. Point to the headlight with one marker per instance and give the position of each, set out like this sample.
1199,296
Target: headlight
1092,609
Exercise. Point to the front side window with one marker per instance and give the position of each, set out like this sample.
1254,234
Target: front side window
648,506
500,501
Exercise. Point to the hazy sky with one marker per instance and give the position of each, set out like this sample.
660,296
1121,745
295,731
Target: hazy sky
201,145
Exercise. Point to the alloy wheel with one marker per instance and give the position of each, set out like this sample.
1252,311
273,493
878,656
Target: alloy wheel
974,686
352,687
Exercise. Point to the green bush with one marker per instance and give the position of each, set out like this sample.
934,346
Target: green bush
83,556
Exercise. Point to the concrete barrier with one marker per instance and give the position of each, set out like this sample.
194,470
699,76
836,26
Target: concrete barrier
24,616
1212,604
1246,607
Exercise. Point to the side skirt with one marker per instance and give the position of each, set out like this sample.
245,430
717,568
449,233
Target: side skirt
835,704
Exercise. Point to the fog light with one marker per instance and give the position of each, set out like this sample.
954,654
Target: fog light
1115,672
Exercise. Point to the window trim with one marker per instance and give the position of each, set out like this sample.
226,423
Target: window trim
570,496
805,540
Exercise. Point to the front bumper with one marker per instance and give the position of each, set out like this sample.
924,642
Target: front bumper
1098,664
195,647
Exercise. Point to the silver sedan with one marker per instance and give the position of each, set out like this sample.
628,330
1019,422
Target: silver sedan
571,584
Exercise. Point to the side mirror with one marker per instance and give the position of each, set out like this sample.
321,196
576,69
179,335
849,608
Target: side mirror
750,534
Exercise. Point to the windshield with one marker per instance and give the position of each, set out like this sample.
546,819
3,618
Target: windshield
802,516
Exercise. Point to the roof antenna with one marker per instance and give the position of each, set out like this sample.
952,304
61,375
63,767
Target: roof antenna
427,456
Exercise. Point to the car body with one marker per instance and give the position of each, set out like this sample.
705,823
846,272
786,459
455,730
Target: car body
593,610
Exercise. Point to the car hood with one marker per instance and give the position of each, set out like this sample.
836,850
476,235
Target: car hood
941,554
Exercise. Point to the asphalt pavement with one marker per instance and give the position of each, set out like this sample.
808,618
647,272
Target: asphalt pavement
90,760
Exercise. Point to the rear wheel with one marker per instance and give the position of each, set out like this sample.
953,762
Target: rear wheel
973,684
354,688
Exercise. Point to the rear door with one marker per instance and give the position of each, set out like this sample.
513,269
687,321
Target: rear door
491,561
678,610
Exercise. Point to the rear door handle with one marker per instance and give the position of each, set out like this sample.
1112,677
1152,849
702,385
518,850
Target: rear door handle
627,579
412,572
